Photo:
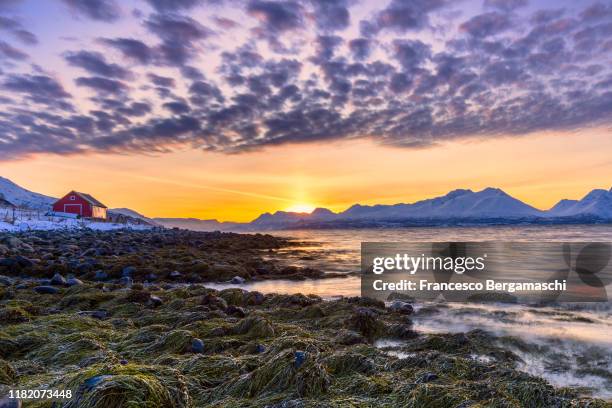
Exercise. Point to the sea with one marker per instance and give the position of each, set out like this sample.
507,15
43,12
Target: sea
569,344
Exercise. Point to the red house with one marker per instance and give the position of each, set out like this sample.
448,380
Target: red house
81,204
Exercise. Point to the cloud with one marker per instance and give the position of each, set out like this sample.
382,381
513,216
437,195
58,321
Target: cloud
15,28
130,48
103,85
10,52
506,5
276,16
162,80
331,15
173,5
360,48
410,53
35,85
179,35
404,82
95,63
100,10
177,107
225,23
402,16
486,24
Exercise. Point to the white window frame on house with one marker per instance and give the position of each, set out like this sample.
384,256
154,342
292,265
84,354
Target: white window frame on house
72,198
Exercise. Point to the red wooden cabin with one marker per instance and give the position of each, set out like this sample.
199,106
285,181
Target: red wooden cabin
81,204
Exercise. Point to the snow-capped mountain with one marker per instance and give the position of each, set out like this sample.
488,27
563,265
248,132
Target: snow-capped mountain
21,197
598,203
488,203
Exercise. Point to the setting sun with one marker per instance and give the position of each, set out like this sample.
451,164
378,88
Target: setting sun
301,208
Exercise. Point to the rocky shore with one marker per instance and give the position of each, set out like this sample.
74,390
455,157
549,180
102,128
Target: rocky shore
163,255
82,311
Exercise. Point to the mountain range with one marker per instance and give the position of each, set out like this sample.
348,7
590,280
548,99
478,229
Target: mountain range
462,206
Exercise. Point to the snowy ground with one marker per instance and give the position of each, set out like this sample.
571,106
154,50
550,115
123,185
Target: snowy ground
34,220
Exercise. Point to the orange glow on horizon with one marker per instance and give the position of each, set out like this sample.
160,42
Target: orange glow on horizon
538,169
301,208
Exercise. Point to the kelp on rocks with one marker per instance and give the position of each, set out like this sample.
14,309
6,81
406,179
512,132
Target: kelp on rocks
284,350
171,342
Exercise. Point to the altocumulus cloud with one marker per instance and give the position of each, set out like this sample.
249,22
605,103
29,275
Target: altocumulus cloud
233,76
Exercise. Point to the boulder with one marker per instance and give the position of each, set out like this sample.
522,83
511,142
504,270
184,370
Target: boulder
155,301
58,280
235,311
126,281
299,357
72,281
237,280
197,346
401,307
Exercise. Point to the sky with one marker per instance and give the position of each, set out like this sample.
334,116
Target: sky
226,109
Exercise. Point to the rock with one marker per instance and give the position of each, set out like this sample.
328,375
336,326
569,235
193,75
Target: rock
197,346
13,242
95,314
100,276
5,280
126,281
24,262
58,280
218,332
260,348
299,358
155,301
401,307
151,277
255,298
49,290
128,271
7,402
123,362
72,281
175,274
214,301
93,382
365,321
235,311
427,377
237,280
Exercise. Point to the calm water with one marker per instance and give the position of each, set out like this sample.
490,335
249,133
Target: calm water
579,335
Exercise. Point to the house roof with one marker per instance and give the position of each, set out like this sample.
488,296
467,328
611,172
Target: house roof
90,199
